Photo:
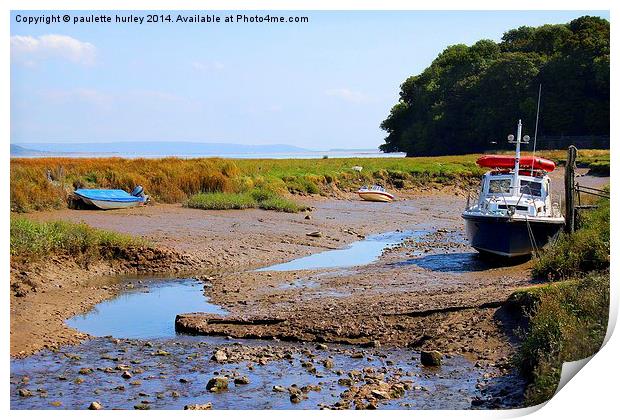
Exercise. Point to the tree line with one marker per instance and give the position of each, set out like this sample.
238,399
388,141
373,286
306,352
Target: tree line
470,97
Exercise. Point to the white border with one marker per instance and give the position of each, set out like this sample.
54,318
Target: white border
591,395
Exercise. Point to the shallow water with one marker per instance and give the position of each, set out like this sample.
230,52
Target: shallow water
146,312
51,377
361,252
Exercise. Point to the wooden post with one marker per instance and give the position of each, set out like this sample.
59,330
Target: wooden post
569,189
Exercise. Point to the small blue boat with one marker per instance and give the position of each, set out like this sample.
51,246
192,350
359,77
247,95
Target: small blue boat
112,199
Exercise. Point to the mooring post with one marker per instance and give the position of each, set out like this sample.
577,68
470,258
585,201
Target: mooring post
569,189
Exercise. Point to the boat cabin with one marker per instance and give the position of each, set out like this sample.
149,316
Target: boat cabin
530,197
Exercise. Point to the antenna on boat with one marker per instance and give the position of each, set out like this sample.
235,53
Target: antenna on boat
536,129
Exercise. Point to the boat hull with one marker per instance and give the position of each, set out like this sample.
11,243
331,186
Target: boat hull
376,196
111,205
509,237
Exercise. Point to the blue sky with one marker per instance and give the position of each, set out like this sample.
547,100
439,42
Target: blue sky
324,84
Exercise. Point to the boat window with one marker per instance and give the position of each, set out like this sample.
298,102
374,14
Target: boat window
499,186
531,188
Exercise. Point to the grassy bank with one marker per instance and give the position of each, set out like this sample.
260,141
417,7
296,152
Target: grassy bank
37,240
567,319
262,199
45,183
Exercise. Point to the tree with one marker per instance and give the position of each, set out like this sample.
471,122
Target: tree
469,96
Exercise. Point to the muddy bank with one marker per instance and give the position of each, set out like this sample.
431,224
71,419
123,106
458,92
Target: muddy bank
44,293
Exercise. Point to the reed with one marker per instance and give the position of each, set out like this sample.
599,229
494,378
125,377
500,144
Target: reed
45,183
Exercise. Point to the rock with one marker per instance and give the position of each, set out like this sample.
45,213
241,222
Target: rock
308,217
278,388
241,380
85,371
345,381
430,358
24,392
217,384
315,234
328,364
142,406
95,406
183,381
207,406
219,356
321,346
295,398
126,374
380,395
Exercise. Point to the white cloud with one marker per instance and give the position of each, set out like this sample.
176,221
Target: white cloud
30,50
347,95
206,66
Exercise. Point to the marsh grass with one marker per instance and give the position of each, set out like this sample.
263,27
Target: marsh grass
35,240
567,321
586,250
263,199
174,180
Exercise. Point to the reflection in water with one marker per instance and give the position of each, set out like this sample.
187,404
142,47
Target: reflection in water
460,262
145,314
358,253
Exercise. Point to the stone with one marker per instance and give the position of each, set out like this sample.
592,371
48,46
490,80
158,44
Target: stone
430,358
328,364
379,394
217,384
207,406
85,371
278,388
126,374
219,356
295,398
241,380
315,234
142,406
95,406
24,392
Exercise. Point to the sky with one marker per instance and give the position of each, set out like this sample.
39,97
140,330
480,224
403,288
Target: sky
319,85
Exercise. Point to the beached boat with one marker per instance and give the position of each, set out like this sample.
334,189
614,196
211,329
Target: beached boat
513,215
112,199
375,193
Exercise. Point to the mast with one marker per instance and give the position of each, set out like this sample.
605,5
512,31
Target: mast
515,181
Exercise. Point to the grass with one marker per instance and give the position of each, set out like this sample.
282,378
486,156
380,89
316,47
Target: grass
174,180
567,319
36,240
567,322
584,251
255,199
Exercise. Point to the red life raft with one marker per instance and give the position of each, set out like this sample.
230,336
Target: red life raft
526,162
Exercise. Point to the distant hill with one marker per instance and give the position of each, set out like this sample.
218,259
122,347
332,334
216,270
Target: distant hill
149,149
18,151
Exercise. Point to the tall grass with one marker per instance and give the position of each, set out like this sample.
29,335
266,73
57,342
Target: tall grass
568,321
174,180
586,250
263,199
35,240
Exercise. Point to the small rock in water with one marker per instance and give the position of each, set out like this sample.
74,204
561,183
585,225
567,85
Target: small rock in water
278,388
219,356
85,371
95,406
380,395
308,217
430,358
126,374
142,406
242,380
328,363
207,406
217,384
24,392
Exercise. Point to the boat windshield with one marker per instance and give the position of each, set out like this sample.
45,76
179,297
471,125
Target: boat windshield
532,188
499,186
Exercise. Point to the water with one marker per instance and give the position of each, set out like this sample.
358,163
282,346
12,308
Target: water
146,313
156,379
361,252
